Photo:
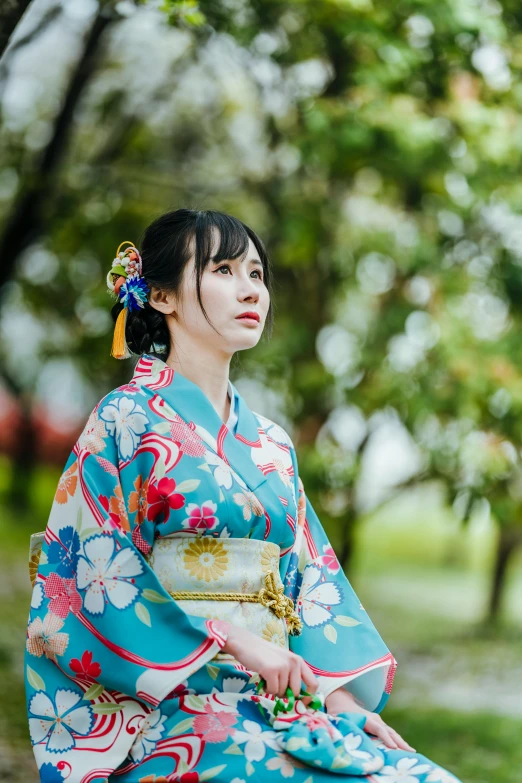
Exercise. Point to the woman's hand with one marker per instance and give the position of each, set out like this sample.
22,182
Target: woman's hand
279,667
342,701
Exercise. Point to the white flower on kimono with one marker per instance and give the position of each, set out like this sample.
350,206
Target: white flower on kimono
285,763
45,638
407,770
37,596
128,421
201,517
351,744
150,731
60,720
107,576
250,503
223,473
232,685
316,597
256,740
440,775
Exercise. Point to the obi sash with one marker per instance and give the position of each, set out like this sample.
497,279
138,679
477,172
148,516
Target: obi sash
226,573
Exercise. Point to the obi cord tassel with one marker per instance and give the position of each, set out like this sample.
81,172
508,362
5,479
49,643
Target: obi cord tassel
125,279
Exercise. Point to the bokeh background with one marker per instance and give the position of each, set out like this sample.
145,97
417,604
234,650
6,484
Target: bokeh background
376,148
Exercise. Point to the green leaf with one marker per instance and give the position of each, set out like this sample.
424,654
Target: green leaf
159,470
195,703
343,619
155,597
182,767
162,428
182,727
142,613
205,466
43,558
249,767
106,708
212,670
88,532
188,486
94,691
233,750
34,679
330,633
212,772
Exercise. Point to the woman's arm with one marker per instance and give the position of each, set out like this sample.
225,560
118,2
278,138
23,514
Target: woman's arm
280,668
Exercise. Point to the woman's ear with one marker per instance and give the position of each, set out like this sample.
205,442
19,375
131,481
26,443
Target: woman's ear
162,300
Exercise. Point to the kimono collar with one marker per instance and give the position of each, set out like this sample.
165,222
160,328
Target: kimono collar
189,401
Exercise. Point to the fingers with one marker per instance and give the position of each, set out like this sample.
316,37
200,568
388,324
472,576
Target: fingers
272,681
295,679
400,741
308,677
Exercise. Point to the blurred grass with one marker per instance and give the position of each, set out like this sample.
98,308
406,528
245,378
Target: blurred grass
424,582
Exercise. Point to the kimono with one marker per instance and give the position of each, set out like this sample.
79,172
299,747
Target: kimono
162,509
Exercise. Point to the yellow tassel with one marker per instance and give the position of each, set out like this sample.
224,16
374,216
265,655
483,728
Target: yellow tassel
120,349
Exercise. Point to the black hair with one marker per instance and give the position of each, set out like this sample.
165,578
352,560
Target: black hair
165,251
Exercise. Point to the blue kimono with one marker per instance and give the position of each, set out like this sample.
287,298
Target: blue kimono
167,522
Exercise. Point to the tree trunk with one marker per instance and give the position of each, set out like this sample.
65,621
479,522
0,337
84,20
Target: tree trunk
347,547
27,219
509,540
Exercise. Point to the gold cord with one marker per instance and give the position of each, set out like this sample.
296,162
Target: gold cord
271,595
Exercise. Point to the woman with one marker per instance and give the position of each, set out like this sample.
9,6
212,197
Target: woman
189,618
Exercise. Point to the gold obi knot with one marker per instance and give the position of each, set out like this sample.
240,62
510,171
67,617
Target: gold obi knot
271,595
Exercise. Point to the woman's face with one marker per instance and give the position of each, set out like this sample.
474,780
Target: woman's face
228,289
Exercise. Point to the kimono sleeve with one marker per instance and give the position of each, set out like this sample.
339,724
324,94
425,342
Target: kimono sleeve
338,639
99,614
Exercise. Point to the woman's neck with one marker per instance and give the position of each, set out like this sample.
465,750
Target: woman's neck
212,380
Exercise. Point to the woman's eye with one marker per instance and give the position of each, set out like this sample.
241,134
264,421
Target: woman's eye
227,266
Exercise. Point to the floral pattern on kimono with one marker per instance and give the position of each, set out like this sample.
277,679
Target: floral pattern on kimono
125,683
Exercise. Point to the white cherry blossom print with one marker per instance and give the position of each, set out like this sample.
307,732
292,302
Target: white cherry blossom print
223,473
351,745
60,720
107,576
37,596
440,775
127,420
316,598
407,770
256,740
150,731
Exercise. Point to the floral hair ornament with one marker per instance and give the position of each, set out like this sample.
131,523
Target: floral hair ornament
126,281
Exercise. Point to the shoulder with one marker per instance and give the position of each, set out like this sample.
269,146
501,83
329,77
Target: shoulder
274,431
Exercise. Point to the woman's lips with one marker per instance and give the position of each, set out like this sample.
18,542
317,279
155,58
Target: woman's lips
247,320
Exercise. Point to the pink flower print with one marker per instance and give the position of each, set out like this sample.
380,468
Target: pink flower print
186,437
64,596
44,637
329,559
214,726
201,517
161,497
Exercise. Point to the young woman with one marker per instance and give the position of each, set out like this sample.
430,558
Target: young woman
189,618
